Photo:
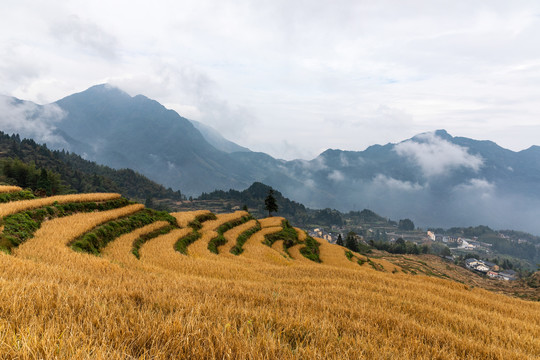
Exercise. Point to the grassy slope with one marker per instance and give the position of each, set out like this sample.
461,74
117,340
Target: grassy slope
433,265
64,304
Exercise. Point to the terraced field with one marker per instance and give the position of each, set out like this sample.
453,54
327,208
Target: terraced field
97,277
9,189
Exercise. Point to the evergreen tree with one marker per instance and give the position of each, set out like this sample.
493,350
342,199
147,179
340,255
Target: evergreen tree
44,183
339,240
270,204
149,203
350,242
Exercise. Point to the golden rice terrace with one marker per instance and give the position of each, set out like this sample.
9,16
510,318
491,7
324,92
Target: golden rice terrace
93,276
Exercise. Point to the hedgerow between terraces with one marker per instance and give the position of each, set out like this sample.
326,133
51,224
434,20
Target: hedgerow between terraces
93,241
21,226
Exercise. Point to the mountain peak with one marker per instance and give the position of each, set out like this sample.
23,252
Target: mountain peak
107,89
443,134
100,91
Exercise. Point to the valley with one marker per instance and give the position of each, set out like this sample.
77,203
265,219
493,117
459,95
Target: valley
437,179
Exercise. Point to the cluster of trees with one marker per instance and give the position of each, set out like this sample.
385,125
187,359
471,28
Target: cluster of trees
406,225
365,216
41,181
505,246
25,163
354,242
400,246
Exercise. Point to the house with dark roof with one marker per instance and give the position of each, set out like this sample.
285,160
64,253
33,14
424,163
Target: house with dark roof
509,275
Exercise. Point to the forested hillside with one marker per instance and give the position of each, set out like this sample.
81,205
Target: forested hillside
28,164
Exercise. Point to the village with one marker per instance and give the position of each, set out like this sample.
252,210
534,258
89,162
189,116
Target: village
490,269
458,245
460,242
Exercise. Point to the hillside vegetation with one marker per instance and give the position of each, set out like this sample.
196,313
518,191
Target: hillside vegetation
262,290
27,164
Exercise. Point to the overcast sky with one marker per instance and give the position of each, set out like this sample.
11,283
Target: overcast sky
292,78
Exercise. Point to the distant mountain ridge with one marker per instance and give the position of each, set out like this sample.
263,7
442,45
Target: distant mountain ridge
216,140
115,129
433,178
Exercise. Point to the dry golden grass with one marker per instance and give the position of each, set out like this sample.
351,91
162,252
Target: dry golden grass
278,246
271,221
160,250
200,247
255,249
65,305
301,234
231,236
183,218
294,251
120,249
9,188
51,240
18,206
334,255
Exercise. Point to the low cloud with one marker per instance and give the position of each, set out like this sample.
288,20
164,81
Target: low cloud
344,162
30,120
336,175
480,187
436,156
395,184
310,183
17,65
314,165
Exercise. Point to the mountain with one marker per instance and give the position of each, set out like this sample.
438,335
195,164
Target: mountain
106,125
216,140
110,127
434,178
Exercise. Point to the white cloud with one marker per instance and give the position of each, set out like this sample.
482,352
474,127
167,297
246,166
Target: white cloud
86,34
316,164
310,183
336,175
395,184
30,120
436,156
477,187
343,160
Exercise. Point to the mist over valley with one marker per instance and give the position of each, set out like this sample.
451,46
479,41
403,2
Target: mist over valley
434,178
